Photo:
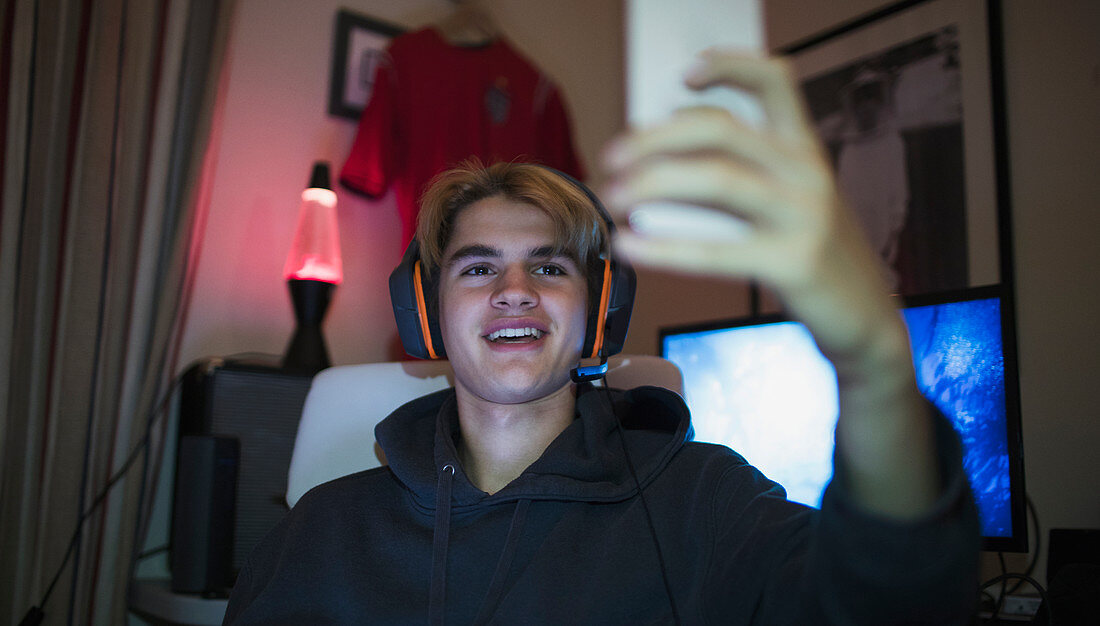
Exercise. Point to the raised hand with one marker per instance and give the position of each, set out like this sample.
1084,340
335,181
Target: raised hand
802,241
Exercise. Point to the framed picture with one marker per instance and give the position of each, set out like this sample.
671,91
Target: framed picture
907,101
358,46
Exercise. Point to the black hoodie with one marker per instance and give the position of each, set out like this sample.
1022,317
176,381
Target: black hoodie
569,541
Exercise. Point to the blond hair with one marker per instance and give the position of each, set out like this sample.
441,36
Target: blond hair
579,229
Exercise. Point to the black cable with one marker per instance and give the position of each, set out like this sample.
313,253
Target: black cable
1005,575
988,597
154,551
998,603
1004,585
1034,515
35,615
645,506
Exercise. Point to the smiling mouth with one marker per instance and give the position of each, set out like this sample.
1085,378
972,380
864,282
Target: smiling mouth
515,335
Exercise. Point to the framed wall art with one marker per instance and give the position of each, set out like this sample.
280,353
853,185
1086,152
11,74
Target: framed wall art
908,103
358,45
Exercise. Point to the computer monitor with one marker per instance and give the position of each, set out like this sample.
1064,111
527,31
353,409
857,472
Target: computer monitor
760,386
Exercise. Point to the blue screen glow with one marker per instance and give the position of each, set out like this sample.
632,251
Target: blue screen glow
766,391
959,359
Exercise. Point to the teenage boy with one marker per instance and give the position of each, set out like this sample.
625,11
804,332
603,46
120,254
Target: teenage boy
520,496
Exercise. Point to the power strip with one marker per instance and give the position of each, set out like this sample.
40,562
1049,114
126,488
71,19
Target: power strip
1026,606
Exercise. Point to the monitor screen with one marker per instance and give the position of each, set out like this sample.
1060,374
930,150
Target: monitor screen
761,387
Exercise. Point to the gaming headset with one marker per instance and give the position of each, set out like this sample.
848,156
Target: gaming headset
605,331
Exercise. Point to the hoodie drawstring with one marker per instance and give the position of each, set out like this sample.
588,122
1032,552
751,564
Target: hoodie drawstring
441,539
496,587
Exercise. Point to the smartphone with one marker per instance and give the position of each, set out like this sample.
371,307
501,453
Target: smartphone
663,39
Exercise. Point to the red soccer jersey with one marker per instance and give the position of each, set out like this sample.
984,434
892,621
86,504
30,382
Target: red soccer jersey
434,104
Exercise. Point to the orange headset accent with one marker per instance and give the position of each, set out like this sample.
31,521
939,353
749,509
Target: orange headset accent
422,312
601,318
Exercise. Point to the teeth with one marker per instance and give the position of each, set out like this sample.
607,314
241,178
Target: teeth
515,332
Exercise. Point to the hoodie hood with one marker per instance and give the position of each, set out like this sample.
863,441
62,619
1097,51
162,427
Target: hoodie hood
584,463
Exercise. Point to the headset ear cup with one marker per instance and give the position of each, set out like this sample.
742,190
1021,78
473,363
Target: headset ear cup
409,291
597,313
620,305
430,317
608,321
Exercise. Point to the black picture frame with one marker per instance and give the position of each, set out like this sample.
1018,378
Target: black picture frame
358,44
934,68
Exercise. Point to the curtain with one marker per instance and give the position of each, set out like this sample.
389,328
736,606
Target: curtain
108,114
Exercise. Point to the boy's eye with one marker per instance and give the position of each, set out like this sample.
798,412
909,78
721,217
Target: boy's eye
550,270
477,270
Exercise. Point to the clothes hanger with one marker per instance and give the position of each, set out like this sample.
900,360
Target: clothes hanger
468,25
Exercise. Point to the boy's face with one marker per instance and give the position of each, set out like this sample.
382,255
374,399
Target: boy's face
512,311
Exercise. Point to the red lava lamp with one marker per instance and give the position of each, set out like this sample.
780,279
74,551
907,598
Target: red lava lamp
313,269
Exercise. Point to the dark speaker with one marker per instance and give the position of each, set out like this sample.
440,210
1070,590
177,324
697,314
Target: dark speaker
202,537
259,405
1073,578
1072,546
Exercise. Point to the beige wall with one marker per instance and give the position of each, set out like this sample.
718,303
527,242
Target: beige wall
1052,67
